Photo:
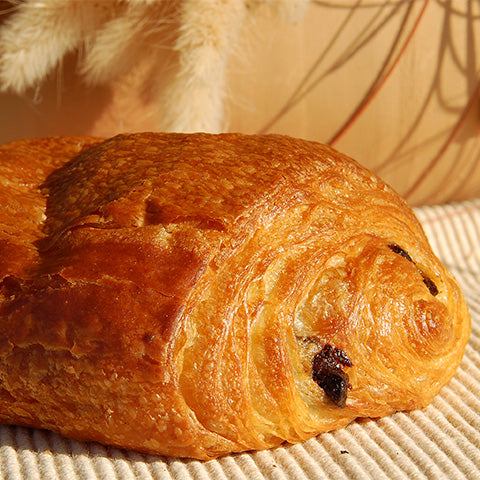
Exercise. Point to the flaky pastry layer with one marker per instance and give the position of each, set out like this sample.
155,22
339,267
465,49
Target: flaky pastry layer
195,295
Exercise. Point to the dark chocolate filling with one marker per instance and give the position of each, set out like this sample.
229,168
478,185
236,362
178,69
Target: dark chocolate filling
328,374
400,251
430,285
432,288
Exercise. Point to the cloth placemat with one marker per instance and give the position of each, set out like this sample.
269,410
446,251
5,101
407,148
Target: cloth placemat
441,441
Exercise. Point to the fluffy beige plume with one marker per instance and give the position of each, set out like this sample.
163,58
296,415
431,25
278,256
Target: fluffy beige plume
207,33
118,45
35,38
113,35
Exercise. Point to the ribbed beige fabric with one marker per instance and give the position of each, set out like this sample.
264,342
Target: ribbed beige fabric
440,442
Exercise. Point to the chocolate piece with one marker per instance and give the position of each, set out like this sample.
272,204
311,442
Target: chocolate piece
400,251
433,289
328,374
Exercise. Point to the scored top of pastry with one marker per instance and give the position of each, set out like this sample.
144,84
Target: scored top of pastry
196,295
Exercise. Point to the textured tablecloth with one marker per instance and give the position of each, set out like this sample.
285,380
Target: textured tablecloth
442,441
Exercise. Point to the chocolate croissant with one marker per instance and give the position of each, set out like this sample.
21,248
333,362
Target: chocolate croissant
194,295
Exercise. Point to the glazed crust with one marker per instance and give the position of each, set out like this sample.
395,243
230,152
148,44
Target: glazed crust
195,295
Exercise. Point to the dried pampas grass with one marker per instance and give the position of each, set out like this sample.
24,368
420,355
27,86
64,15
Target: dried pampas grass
112,36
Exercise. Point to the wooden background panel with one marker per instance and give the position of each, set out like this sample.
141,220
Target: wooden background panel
394,84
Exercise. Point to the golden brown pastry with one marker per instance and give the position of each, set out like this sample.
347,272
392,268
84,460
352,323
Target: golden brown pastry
195,295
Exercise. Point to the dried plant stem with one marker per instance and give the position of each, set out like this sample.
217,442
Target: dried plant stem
454,133
381,78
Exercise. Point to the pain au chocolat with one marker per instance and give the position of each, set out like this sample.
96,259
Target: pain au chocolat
195,295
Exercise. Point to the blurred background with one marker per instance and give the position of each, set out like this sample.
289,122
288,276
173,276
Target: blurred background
393,84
